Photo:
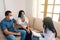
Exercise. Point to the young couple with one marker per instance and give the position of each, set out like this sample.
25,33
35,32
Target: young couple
11,30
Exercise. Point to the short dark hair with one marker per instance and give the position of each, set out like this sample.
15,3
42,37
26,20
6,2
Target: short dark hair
7,13
20,13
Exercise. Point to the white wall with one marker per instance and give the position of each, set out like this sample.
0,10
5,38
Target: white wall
13,5
29,7
1,10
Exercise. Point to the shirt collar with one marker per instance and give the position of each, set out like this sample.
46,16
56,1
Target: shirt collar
7,20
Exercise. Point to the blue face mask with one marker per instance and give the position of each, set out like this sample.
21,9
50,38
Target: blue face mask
22,16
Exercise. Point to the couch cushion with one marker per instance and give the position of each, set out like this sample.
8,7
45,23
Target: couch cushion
31,21
57,26
1,35
38,24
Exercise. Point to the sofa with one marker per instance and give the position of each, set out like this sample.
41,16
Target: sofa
36,24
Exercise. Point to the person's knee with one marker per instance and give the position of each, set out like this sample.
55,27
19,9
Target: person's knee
31,32
11,37
23,32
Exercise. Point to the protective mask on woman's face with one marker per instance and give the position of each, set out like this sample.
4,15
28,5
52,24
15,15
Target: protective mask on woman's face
22,16
11,17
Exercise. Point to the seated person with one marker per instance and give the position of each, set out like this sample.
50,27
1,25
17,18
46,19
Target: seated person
24,24
49,29
8,29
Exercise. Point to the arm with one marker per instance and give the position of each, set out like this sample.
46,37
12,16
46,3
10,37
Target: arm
22,26
20,23
28,26
27,21
8,32
15,26
5,30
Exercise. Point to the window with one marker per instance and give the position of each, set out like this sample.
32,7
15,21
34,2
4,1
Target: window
34,9
49,8
38,8
54,9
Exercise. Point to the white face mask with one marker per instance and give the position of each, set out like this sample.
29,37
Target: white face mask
11,17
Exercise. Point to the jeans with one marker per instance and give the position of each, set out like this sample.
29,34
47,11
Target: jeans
28,35
12,37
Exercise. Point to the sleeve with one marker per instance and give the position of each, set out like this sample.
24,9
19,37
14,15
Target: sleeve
26,19
3,26
14,20
19,21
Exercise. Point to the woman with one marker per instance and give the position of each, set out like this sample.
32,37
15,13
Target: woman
49,30
24,24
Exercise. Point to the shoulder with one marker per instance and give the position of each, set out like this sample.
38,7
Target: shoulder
3,21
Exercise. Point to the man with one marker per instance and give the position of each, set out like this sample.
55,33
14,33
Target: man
8,28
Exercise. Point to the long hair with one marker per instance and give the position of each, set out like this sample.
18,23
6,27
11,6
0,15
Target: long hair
48,23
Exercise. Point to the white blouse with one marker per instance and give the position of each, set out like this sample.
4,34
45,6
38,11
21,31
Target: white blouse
19,22
49,35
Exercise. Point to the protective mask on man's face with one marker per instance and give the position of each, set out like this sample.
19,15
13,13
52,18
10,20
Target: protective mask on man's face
11,17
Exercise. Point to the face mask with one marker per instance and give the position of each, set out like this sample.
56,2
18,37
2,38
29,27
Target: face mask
22,16
11,17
